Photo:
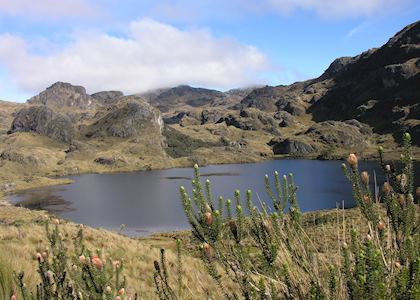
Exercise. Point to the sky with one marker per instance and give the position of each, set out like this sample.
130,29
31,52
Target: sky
137,46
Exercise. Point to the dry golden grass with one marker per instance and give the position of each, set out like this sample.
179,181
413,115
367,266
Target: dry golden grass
22,234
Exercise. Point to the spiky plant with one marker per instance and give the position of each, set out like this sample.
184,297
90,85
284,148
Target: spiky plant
255,251
386,262
82,274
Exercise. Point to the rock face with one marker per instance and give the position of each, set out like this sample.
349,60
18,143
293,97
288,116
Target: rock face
291,146
43,120
376,86
107,97
62,94
131,117
348,134
184,95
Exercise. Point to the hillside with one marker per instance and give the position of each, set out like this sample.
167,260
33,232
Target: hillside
356,104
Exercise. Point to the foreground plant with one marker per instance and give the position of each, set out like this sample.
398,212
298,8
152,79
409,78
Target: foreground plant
386,262
256,253
266,254
81,275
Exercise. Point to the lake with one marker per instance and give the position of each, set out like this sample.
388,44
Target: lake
147,202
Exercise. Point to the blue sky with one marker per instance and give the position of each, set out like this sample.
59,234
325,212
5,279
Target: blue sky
135,46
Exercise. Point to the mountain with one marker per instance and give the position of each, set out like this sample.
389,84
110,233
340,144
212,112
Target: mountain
62,94
185,97
356,104
379,87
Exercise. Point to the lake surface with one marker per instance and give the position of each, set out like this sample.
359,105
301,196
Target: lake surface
147,202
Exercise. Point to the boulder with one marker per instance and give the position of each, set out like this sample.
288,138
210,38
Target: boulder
291,146
348,134
211,116
285,119
241,123
175,119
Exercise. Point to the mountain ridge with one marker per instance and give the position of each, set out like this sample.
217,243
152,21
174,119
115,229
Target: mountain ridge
357,103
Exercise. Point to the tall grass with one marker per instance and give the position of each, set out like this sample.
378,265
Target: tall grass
6,281
262,251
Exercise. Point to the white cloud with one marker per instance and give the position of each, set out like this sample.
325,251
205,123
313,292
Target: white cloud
51,9
152,55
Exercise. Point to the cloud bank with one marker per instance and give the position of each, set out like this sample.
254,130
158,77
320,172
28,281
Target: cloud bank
151,55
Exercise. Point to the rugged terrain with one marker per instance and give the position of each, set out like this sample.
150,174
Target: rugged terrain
356,104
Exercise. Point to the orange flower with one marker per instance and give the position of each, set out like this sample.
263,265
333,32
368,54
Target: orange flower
97,262
352,160
381,226
208,218
208,251
386,188
13,297
366,199
82,259
402,199
121,291
365,177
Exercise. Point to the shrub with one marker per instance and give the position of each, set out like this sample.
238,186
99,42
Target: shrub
83,274
385,263
268,255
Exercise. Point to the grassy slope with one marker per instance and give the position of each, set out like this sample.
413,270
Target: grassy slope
22,235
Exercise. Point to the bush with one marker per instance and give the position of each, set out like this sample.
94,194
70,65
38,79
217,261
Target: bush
268,255
262,252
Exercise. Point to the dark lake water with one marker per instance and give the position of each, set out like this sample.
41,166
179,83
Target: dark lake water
147,202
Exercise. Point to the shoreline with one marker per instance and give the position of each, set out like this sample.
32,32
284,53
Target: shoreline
46,181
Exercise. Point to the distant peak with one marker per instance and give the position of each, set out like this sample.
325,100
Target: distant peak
67,86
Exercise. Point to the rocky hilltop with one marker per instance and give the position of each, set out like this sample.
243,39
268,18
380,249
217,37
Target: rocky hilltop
356,104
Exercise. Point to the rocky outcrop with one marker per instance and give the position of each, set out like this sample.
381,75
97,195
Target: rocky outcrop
350,134
45,121
107,97
291,147
285,119
62,94
264,98
184,95
175,119
211,116
376,86
131,117
241,123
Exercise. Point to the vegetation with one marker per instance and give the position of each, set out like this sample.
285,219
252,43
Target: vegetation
256,252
